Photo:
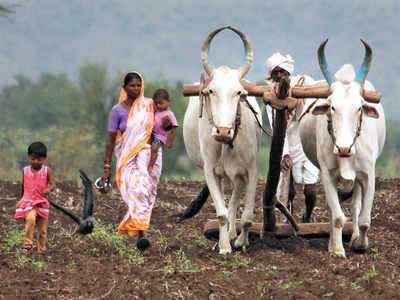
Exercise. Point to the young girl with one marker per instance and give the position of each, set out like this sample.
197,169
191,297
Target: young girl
37,183
164,121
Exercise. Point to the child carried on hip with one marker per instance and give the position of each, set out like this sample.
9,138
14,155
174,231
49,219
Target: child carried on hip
165,124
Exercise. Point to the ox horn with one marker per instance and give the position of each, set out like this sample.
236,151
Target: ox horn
362,72
247,45
323,65
249,52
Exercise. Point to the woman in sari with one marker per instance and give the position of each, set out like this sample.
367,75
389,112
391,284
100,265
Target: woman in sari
129,131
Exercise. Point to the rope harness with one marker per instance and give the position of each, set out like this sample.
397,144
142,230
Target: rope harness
206,105
330,125
332,133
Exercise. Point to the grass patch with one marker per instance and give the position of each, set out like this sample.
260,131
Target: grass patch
13,240
235,261
105,235
290,285
178,263
161,241
41,266
198,238
367,277
12,244
22,261
262,288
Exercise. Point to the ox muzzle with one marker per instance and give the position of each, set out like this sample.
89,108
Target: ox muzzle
344,151
223,134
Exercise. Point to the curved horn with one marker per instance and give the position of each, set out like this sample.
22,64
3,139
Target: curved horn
204,51
249,52
247,46
323,65
362,72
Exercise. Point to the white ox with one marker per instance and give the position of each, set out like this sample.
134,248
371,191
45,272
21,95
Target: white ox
344,137
212,144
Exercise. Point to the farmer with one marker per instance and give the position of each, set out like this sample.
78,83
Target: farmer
130,127
37,183
302,171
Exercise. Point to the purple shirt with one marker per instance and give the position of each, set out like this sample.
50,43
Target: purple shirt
158,131
117,118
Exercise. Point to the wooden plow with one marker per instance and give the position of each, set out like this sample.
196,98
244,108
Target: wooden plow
282,98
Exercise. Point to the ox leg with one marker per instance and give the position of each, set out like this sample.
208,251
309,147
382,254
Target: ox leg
214,186
233,207
338,218
248,213
310,200
364,223
357,195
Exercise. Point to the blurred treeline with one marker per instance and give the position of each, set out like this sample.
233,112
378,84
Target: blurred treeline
71,119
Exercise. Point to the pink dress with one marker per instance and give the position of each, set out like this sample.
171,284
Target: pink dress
158,131
33,198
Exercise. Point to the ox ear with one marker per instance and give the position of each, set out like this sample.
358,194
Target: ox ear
321,109
370,111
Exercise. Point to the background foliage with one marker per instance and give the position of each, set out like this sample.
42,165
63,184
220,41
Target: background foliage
71,118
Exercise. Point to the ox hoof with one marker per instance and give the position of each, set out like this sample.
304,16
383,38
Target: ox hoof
337,252
225,251
359,245
240,246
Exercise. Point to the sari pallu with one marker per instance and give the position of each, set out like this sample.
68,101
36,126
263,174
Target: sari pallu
138,186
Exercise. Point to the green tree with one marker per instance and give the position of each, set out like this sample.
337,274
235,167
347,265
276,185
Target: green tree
52,101
97,97
5,10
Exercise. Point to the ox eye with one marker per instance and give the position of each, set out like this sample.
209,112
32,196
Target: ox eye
333,109
210,91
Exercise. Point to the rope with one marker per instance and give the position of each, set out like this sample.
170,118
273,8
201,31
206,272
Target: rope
332,133
266,131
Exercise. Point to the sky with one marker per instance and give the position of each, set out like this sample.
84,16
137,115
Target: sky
162,39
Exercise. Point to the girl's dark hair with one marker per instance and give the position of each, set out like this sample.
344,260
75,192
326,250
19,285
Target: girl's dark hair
131,76
161,94
38,149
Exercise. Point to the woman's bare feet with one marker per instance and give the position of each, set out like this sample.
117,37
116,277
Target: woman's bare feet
142,243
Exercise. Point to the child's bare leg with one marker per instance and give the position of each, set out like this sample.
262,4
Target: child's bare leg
153,156
30,223
42,228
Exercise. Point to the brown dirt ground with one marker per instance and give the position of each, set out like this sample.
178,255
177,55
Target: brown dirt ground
181,264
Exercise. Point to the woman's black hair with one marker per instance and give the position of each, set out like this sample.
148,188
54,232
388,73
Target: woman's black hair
161,94
37,149
131,76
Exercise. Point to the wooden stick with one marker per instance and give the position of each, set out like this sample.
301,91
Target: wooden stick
308,230
274,169
318,91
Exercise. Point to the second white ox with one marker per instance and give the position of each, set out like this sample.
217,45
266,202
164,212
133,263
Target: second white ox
222,147
344,136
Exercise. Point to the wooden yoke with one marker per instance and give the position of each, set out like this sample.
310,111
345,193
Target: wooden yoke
315,91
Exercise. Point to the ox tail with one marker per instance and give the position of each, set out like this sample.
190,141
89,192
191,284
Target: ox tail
343,196
196,205
65,211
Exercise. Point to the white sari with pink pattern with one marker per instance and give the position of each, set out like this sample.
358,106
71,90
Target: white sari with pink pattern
137,185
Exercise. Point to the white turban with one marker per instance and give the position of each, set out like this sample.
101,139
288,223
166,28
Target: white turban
278,60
